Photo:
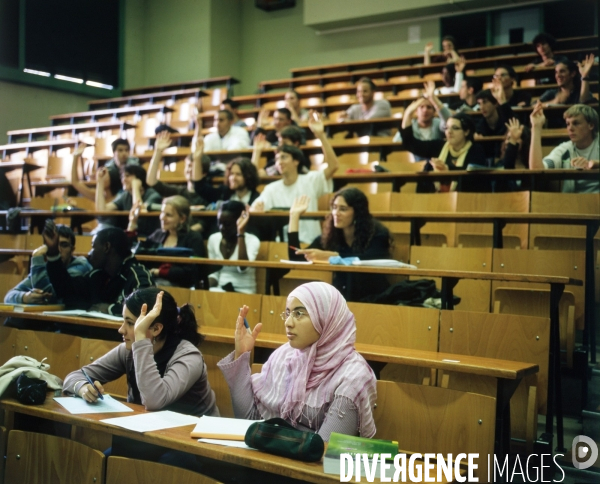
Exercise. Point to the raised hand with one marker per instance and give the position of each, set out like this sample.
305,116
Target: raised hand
79,150
315,123
163,141
40,251
260,142
586,65
243,221
498,91
300,205
537,117
428,46
429,90
460,64
514,129
244,338
134,214
145,319
102,178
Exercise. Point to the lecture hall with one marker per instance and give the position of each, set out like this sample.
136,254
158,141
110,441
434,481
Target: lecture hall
307,225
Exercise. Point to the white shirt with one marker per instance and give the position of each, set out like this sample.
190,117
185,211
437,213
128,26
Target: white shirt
243,279
236,139
560,158
314,184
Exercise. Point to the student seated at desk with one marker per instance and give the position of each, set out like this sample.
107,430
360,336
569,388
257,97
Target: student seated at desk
349,231
174,232
456,153
116,273
317,381
232,242
135,190
164,369
159,355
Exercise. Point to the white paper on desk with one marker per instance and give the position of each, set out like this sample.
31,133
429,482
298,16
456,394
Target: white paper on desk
220,428
85,314
303,262
384,263
147,422
226,443
79,405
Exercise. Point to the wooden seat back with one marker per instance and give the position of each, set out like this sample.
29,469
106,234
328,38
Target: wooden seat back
536,302
434,234
272,307
59,167
3,444
261,273
506,337
428,419
121,470
480,235
8,343
567,263
221,309
60,350
46,458
474,294
401,327
181,295
13,241
90,351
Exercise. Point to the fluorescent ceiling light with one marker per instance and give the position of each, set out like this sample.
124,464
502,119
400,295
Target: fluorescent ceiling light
98,84
37,73
67,78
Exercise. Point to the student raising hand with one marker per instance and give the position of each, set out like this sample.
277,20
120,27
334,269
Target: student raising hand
244,338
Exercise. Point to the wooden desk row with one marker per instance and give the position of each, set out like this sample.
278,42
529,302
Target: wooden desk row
471,53
420,70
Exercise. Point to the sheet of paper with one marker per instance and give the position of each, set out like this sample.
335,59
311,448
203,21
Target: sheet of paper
211,427
226,443
303,262
84,314
147,422
79,405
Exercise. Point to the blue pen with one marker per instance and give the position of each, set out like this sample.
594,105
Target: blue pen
87,377
246,323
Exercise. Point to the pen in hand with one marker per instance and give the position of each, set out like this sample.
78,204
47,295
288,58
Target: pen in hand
246,324
87,377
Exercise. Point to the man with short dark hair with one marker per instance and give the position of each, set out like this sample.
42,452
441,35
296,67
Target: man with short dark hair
293,183
230,105
36,288
495,114
121,156
227,136
116,273
506,76
545,45
290,135
368,107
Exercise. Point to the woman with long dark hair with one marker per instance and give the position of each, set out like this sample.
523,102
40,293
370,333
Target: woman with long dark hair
573,83
164,368
239,184
349,231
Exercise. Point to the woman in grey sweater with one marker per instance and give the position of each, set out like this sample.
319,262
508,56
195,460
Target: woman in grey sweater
164,368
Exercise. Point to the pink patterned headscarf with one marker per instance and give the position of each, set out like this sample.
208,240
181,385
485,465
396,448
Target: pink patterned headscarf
293,379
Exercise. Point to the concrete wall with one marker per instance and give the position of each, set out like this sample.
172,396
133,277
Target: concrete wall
29,107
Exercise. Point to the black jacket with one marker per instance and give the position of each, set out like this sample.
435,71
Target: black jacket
97,286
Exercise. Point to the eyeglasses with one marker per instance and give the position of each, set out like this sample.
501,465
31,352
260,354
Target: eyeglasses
498,76
340,208
296,315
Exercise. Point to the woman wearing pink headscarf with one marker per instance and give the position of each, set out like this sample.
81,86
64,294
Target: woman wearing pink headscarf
317,381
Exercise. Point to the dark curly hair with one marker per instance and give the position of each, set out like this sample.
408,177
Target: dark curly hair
249,172
365,224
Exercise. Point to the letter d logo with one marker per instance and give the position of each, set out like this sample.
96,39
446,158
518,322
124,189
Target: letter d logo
584,452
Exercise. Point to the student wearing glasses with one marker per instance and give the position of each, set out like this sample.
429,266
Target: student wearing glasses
316,381
455,153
